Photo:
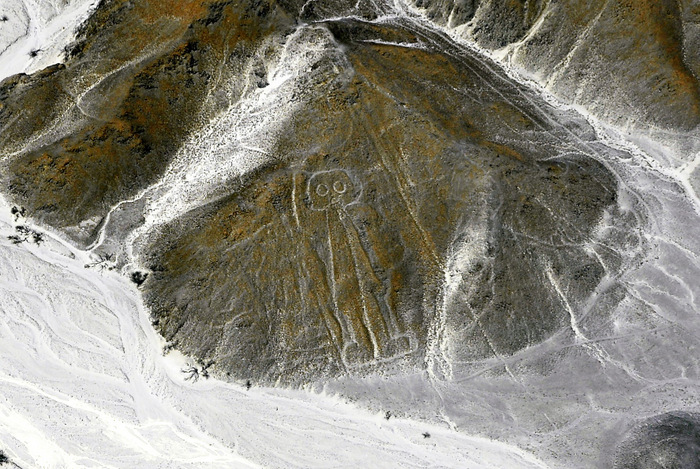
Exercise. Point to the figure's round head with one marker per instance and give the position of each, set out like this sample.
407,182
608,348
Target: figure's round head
331,188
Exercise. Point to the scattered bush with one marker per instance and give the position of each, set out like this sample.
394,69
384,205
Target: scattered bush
139,277
168,347
18,212
191,373
194,372
204,368
24,234
16,239
104,261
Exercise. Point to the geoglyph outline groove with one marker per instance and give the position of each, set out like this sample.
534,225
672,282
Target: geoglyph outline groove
370,334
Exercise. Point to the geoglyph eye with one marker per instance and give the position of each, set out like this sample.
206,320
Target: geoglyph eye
339,187
322,190
332,188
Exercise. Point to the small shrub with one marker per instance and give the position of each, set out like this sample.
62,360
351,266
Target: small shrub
3,458
24,233
104,261
4,19
37,237
16,239
139,277
194,372
191,373
23,230
204,368
18,212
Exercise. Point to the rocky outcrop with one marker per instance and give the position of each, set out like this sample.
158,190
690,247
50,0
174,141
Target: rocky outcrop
667,440
421,211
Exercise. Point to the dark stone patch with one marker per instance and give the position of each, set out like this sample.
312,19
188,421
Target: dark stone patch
667,441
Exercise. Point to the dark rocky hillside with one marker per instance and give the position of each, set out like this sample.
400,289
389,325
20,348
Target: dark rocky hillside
419,193
634,62
420,208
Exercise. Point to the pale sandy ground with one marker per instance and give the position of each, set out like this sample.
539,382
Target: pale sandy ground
45,26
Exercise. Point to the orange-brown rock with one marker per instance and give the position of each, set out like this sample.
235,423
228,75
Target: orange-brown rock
418,209
419,212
